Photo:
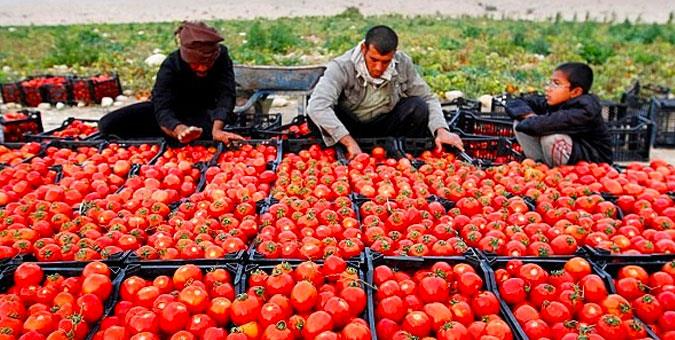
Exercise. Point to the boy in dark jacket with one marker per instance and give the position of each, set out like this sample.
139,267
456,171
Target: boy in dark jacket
566,126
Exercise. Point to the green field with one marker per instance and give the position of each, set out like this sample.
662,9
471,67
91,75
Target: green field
475,55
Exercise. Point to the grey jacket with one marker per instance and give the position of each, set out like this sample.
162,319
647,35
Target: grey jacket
342,86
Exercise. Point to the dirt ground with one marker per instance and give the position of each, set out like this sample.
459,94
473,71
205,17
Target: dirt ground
54,12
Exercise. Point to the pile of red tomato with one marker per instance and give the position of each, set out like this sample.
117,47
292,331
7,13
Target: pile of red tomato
16,124
202,202
77,129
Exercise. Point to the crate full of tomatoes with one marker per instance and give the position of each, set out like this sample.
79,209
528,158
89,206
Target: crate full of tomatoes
16,124
71,129
92,89
35,90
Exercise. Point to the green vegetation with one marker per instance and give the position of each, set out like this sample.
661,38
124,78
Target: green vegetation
475,55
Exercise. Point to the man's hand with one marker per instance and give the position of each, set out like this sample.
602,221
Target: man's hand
225,137
186,134
352,146
444,136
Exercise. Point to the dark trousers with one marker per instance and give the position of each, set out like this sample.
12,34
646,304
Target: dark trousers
409,118
137,121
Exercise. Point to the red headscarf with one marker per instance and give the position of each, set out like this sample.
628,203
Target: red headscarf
198,43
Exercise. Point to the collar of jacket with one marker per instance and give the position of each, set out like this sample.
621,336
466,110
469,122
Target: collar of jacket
584,100
362,70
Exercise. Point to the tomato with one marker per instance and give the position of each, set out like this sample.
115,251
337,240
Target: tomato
96,268
143,321
513,291
317,323
647,308
174,317
42,322
339,310
28,274
199,323
184,274
303,296
195,298
97,284
244,309
417,323
90,306
355,331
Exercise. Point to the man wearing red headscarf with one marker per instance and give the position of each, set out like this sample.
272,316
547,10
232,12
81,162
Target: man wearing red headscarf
193,95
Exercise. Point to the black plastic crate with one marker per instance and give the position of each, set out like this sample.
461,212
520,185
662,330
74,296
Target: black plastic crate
491,151
234,258
14,130
170,143
251,124
17,146
548,264
415,263
367,145
105,86
235,144
297,145
296,129
610,271
415,147
460,103
256,257
11,93
483,124
114,260
638,96
612,111
82,90
662,112
75,269
631,138
604,256
51,134
367,314
53,94
151,271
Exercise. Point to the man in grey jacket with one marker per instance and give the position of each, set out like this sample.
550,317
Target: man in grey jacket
374,90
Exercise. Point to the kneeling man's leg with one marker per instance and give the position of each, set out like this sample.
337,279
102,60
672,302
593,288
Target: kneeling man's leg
557,149
409,118
531,145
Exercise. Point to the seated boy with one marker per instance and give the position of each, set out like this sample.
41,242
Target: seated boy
566,126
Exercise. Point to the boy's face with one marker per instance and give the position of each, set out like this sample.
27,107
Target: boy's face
558,90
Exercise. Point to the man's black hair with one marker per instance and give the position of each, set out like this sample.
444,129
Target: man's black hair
578,74
383,38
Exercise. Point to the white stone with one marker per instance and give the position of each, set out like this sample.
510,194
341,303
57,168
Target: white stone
454,94
81,104
106,102
60,106
6,68
279,102
44,106
155,59
485,103
156,51
128,93
118,104
3,107
121,98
